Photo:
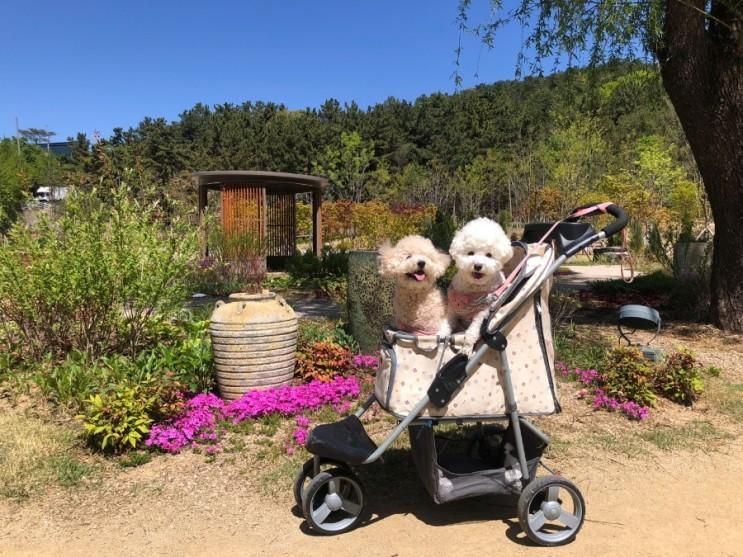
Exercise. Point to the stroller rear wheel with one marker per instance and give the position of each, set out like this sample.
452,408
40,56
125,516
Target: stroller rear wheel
305,474
334,501
551,510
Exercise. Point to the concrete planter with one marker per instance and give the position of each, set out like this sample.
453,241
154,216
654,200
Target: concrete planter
369,299
691,258
254,339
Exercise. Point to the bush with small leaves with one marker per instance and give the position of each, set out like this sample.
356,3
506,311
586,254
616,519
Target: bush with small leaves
627,375
323,360
679,378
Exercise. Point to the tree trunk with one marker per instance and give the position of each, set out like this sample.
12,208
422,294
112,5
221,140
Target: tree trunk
702,70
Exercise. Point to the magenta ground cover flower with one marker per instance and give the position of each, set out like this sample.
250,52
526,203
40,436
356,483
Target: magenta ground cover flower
198,422
365,361
592,378
629,408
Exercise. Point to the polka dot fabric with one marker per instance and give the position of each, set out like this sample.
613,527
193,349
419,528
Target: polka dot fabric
482,395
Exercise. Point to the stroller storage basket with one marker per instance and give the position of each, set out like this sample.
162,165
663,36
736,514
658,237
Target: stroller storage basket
409,364
469,462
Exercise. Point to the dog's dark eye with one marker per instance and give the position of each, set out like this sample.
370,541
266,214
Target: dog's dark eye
408,257
471,253
488,255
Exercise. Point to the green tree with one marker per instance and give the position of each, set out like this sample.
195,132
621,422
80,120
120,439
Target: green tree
350,167
699,48
20,174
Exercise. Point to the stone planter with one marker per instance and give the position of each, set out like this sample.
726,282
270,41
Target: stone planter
691,258
254,339
369,299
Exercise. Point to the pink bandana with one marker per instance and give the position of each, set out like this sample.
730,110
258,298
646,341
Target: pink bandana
466,304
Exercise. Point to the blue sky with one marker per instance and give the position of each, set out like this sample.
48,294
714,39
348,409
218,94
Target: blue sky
89,65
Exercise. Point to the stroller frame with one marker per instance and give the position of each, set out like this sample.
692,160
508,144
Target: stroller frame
344,444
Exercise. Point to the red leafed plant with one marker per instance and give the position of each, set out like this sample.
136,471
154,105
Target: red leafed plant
323,360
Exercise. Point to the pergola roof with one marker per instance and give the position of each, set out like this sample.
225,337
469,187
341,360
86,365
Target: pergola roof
278,182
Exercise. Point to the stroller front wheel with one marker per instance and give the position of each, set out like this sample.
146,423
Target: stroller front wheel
334,502
551,510
305,475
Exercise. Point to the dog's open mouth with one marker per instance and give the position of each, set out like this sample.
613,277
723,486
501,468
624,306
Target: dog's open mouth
417,275
477,275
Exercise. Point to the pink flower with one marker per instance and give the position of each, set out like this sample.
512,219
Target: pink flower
365,361
303,422
198,422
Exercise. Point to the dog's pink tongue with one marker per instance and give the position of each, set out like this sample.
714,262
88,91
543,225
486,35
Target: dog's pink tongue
419,276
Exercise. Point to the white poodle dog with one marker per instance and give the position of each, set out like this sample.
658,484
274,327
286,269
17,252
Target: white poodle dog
480,250
418,305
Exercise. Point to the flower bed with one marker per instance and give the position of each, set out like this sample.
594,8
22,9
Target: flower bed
197,425
594,392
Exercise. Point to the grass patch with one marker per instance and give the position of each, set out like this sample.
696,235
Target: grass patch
69,471
581,348
558,448
624,444
35,454
134,459
728,399
694,435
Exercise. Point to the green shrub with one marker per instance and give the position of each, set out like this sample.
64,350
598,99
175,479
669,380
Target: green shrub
71,381
628,376
312,331
188,358
327,274
441,230
182,357
117,418
679,378
94,279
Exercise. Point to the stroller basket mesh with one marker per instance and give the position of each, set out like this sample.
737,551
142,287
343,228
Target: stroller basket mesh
472,461
408,366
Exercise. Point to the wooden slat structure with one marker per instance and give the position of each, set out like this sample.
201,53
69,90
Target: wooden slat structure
263,204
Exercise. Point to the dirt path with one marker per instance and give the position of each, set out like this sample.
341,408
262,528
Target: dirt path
680,504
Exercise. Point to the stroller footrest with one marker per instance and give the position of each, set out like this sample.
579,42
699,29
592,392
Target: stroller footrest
345,440
448,380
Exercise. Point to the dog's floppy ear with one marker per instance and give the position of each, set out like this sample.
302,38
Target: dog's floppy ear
384,259
504,252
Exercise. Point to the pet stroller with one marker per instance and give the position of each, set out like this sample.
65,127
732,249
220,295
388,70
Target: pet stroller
426,384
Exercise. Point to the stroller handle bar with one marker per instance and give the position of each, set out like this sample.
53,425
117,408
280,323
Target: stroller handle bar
591,209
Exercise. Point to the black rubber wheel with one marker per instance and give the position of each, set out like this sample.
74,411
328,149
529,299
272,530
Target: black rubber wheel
551,511
304,475
334,502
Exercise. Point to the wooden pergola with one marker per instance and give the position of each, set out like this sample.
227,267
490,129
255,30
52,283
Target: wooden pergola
263,204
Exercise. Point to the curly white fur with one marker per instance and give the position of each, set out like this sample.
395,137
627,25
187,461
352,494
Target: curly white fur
480,250
415,264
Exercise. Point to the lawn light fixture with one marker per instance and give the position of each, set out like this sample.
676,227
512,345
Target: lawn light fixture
637,317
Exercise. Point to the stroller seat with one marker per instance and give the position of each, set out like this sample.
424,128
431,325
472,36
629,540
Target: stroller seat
343,441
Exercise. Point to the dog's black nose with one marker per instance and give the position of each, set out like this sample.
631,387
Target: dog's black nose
478,267
421,264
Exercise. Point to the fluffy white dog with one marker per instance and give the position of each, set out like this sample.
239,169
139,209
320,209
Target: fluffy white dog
480,250
419,306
